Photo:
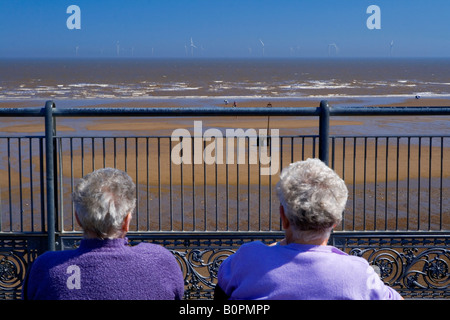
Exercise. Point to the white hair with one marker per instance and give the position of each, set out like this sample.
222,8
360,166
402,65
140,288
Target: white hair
102,200
313,197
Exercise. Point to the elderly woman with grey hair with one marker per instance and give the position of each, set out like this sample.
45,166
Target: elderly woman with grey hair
302,266
312,198
105,267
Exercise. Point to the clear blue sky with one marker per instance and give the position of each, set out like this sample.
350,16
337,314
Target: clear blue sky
225,28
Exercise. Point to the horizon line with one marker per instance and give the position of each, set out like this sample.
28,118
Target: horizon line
217,57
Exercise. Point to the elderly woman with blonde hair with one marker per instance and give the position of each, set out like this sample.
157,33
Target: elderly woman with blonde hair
302,266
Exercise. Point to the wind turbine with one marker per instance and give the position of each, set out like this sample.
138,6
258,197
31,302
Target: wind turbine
336,49
262,43
391,47
117,48
192,47
76,50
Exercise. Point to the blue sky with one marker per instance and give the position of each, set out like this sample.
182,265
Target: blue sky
226,28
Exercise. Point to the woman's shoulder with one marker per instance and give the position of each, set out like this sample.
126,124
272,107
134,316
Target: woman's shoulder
251,252
150,248
253,246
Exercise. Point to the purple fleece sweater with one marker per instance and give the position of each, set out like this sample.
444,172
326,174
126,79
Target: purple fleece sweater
295,271
105,270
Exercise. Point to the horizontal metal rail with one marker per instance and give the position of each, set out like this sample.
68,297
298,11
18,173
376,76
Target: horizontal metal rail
219,111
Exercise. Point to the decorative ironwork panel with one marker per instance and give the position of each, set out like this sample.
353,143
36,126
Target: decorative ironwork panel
16,255
414,265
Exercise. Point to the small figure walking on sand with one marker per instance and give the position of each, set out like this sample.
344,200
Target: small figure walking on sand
234,104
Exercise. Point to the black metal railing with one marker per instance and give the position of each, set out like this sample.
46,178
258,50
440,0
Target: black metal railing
397,214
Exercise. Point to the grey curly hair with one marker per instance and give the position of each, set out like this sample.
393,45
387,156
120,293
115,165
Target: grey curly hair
313,196
102,200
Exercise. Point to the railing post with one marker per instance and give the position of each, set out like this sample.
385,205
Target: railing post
324,131
50,174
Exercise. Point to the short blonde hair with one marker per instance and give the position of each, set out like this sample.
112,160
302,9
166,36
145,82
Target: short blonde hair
313,196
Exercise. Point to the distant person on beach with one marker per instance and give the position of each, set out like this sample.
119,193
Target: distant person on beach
302,265
105,267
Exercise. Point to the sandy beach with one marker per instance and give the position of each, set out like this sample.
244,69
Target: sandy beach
148,160
286,126
166,126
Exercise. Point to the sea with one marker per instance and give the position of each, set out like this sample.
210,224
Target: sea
370,80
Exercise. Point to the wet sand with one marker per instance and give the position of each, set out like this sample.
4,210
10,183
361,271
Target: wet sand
158,126
364,158
368,165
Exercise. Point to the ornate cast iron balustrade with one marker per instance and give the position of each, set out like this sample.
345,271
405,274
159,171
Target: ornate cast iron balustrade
16,255
416,265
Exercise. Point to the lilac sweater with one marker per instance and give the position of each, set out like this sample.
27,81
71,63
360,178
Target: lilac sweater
105,269
295,271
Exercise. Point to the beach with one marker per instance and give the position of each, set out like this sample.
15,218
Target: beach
166,126
190,188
